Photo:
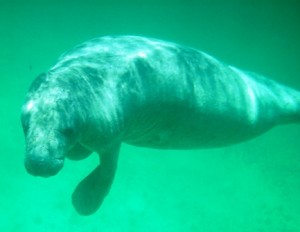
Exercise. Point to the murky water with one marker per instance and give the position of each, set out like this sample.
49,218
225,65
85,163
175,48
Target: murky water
251,187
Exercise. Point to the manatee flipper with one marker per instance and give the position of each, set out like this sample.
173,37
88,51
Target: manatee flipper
91,191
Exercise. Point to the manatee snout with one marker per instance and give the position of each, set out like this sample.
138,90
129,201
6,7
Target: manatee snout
45,166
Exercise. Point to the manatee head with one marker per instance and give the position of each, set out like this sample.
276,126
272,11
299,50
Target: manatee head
48,126
44,153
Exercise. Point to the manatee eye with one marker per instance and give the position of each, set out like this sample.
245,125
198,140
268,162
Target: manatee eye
25,124
25,128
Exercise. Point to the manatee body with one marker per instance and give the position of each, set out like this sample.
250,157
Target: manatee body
143,92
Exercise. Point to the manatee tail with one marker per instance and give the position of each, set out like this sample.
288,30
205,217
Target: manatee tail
290,105
283,100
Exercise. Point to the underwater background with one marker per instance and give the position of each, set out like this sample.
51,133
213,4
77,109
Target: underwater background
250,187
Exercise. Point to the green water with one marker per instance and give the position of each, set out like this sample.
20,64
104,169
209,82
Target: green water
251,187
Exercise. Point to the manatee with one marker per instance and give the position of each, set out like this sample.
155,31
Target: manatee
144,92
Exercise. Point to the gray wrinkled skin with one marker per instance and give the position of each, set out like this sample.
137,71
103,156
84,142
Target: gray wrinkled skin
144,92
